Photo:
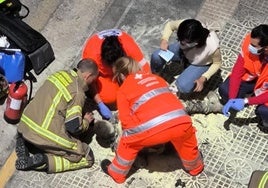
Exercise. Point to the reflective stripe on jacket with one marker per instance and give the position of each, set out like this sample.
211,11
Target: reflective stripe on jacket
261,86
57,101
255,69
146,106
153,123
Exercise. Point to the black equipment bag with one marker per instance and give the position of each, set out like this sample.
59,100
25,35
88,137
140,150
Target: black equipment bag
38,51
13,8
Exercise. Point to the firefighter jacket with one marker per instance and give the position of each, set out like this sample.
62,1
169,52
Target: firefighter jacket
92,49
56,108
146,106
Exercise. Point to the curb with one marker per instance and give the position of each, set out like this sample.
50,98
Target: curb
8,169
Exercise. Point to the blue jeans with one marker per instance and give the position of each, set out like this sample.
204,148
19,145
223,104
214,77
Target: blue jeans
185,82
246,88
157,63
262,111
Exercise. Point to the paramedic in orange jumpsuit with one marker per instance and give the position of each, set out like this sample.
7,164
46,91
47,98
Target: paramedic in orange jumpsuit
105,48
150,115
248,82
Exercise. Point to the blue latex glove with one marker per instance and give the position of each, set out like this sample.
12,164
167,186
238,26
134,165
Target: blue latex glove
104,111
236,104
226,108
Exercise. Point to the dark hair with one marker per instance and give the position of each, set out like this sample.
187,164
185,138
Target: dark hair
88,65
111,50
261,32
191,30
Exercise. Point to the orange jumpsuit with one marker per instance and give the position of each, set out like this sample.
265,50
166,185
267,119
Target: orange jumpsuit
150,115
107,88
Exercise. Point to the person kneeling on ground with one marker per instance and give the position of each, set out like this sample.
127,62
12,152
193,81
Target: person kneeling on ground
105,47
248,82
150,115
53,123
197,49
246,85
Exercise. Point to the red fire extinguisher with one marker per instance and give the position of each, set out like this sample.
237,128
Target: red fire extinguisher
16,101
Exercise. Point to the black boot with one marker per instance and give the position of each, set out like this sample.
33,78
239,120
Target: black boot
263,128
35,162
104,166
21,148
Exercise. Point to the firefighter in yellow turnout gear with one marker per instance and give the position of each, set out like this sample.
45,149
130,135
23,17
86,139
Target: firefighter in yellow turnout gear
53,121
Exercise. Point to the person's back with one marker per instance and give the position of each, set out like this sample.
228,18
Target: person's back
105,48
53,121
41,105
150,115
150,97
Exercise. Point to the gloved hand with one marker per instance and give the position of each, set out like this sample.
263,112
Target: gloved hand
236,104
226,108
104,111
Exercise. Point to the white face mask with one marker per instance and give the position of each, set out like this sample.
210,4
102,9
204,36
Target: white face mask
253,50
187,45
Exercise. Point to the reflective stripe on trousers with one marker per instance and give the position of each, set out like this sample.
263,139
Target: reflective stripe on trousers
122,162
263,181
62,164
190,165
154,122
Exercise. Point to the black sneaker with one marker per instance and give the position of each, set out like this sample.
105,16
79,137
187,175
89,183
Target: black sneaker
31,163
104,165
